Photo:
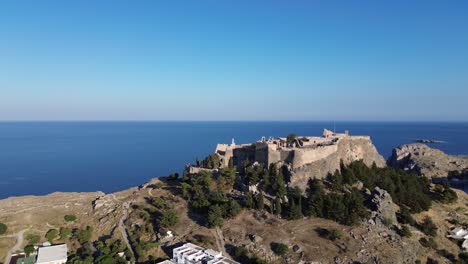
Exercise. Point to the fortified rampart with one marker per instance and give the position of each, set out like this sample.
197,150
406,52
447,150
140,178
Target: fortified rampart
305,156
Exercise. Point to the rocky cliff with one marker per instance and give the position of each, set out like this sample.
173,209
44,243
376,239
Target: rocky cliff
426,161
348,149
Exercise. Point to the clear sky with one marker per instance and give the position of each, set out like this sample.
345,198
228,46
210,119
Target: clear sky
233,60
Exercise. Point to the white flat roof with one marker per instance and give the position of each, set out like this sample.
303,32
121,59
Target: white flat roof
167,262
52,253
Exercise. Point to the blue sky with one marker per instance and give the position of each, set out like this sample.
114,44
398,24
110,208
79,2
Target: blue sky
233,60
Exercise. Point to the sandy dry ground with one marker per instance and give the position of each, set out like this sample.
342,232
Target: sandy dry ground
109,213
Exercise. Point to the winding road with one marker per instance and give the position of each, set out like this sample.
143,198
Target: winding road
19,241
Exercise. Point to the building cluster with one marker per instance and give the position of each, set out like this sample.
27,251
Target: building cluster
462,234
192,254
47,254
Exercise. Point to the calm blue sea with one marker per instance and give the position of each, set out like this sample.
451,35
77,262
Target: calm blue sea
43,157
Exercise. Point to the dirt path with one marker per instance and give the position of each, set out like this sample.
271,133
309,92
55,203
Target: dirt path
218,233
123,232
19,241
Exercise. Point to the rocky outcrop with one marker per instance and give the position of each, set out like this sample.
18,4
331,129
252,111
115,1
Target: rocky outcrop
426,161
348,149
383,212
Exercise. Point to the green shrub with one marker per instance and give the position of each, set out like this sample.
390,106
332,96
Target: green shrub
279,249
169,218
69,218
404,231
51,235
33,239
3,228
405,217
28,250
158,202
428,227
463,256
65,232
83,235
445,194
331,234
429,243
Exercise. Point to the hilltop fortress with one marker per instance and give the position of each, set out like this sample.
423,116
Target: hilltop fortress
305,156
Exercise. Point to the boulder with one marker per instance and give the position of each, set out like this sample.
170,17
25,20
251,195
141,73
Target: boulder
382,207
296,248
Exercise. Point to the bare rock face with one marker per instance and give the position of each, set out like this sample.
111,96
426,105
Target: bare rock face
426,161
348,149
384,210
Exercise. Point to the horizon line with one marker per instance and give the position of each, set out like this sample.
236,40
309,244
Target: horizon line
228,120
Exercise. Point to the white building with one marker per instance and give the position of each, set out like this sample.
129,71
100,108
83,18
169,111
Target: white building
458,233
52,255
192,254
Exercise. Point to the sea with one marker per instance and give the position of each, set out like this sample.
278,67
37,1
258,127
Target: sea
38,158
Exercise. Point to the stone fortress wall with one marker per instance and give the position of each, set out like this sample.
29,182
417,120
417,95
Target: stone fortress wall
306,157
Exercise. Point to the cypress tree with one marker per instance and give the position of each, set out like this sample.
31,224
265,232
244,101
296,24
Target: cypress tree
260,202
278,206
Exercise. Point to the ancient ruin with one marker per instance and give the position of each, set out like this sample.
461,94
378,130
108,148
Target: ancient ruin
304,156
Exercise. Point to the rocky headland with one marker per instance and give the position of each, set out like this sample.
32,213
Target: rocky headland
426,161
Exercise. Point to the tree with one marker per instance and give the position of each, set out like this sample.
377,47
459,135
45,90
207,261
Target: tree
213,161
204,179
290,138
279,185
28,250
84,235
65,232
249,201
260,201
173,176
278,206
233,208
355,209
51,235
185,190
314,202
336,180
266,180
295,211
69,218
3,228
169,218
228,175
279,249
252,175
215,216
